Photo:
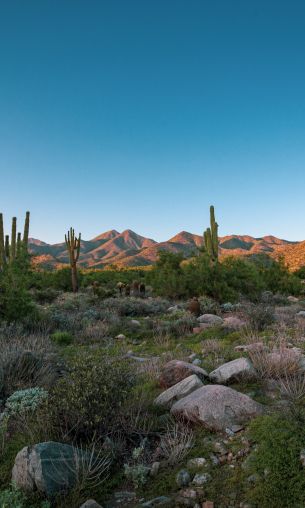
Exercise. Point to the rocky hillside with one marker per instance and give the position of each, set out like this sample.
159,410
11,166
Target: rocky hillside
130,249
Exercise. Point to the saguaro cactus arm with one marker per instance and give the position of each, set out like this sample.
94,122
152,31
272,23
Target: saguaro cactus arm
210,237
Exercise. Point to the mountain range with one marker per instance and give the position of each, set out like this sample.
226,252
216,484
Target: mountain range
128,249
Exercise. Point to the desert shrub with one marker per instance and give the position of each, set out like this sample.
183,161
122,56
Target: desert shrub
167,276
242,277
62,338
45,295
300,273
15,298
208,305
134,306
205,278
137,471
277,277
259,316
176,442
24,401
175,327
25,362
224,281
89,399
276,462
16,498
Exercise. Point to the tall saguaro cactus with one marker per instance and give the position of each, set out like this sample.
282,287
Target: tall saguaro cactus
12,249
13,239
210,236
2,245
73,247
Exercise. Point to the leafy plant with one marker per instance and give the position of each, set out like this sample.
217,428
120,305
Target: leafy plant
24,401
62,338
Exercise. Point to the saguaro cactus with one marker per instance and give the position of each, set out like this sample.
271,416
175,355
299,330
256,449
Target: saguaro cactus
13,239
73,247
11,249
2,246
210,236
26,228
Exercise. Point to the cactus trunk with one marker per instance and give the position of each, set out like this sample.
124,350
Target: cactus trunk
211,242
2,247
13,239
26,229
73,247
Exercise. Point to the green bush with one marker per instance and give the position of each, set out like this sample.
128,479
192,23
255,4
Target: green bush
62,338
276,462
225,281
24,401
89,399
15,298
15,498
45,295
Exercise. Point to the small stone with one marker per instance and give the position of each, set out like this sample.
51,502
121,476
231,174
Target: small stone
201,478
220,448
135,322
197,361
210,319
154,468
124,495
121,336
214,459
197,462
183,478
191,493
236,428
90,504
253,478
302,457
158,501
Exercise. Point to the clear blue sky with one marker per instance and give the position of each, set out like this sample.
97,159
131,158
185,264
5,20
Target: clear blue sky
141,113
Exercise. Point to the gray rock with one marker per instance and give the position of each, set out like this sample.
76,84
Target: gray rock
233,371
121,336
255,347
301,313
123,496
178,391
197,462
210,319
302,457
217,407
176,370
220,448
135,323
183,478
197,361
173,309
201,478
90,504
158,501
47,467
154,468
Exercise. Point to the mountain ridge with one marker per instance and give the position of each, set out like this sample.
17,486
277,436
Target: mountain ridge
129,249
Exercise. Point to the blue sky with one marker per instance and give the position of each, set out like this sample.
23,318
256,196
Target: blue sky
141,113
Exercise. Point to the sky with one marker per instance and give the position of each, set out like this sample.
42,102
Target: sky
139,114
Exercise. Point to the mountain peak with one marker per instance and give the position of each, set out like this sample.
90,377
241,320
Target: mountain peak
108,235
